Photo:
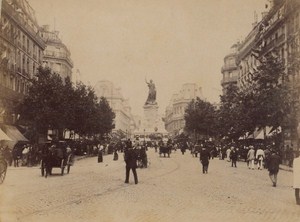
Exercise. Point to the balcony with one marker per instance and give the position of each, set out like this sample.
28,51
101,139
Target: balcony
228,67
58,55
229,80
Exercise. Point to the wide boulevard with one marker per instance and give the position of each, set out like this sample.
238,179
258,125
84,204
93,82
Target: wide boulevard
170,189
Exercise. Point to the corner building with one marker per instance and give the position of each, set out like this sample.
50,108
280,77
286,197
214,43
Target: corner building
230,69
56,55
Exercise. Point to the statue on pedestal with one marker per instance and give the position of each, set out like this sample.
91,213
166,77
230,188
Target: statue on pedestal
151,100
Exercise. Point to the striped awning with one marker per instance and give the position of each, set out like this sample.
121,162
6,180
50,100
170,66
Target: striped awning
3,136
13,133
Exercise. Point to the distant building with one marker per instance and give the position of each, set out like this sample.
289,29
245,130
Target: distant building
137,123
120,106
56,55
21,52
174,114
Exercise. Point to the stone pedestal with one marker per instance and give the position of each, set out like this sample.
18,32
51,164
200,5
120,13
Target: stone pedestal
151,117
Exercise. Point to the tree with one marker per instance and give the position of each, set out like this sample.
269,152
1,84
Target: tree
52,103
272,98
106,117
43,105
233,114
200,118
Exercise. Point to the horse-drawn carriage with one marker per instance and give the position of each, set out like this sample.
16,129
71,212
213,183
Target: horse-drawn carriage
56,155
165,148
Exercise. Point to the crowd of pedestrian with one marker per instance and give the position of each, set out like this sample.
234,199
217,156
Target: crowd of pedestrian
134,152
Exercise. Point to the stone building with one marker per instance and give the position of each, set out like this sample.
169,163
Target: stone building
174,114
120,106
230,69
277,32
56,55
21,52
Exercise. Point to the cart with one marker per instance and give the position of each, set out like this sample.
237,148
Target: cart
165,149
56,156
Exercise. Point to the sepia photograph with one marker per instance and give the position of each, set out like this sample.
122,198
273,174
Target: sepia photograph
149,110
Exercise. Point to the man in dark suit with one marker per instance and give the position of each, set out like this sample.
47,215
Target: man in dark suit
204,159
273,167
130,159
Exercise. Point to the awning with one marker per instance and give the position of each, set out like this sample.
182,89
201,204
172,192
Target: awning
260,135
3,136
13,133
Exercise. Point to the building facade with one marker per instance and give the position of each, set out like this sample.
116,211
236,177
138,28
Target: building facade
278,33
21,52
230,69
174,114
56,55
123,120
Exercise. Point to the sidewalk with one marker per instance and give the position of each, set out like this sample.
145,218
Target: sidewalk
286,168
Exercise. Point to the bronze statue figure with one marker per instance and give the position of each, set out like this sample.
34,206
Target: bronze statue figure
151,100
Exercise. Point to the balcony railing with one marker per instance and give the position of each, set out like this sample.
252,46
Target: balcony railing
228,67
229,79
59,55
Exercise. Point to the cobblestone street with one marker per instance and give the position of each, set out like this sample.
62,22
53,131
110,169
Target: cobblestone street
170,189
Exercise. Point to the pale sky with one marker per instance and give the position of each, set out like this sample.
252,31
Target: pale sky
170,41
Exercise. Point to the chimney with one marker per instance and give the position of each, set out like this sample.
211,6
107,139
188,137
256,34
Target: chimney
46,28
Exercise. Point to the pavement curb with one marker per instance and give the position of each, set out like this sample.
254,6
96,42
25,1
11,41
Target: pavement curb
286,168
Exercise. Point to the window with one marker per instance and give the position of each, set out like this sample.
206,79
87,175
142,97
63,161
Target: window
11,82
297,21
23,62
28,66
33,68
16,85
23,42
5,80
28,46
